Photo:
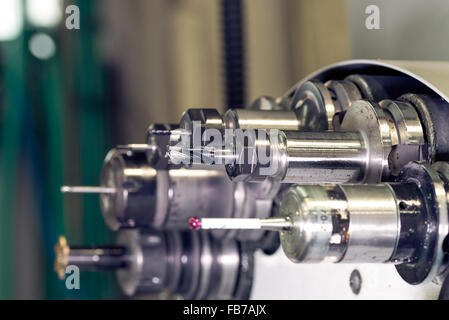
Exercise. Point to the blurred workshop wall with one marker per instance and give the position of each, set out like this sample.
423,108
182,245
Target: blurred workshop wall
291,38
169,53
269,54
320,34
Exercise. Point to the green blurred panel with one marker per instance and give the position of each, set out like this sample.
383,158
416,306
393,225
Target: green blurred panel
37,85
13,108
52,110
94,143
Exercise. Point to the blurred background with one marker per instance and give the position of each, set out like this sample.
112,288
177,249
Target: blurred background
67,96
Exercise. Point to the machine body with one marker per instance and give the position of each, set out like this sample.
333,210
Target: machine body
356,172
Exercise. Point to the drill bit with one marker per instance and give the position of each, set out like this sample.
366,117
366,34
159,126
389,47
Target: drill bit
203,154
86,189
168,132
135,147
273,224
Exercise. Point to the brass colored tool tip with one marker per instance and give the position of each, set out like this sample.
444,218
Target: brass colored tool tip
62,251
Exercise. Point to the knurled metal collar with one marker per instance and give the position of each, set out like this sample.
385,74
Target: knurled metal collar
430,182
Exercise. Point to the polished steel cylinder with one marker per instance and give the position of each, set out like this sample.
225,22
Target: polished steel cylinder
324,157
373,223
403,222
344,223
302,157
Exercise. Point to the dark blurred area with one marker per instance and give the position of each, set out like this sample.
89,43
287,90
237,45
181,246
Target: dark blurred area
68,95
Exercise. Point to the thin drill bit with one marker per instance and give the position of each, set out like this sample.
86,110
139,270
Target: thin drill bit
85,189
274,224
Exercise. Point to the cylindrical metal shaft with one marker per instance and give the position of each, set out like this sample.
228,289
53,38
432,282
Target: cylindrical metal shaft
97,258
88,189
323,157
89,258
290,156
